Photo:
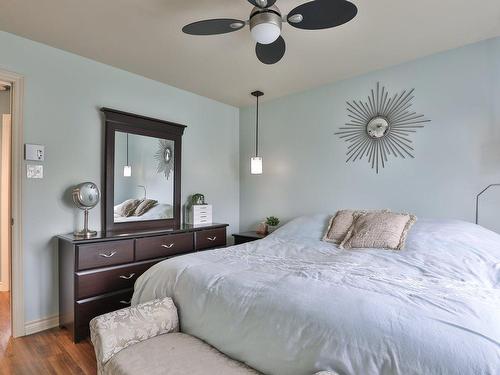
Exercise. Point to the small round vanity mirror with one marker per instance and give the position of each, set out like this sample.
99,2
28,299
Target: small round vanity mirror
377,127
85,197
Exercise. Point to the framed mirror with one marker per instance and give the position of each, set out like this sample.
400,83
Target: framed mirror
142,172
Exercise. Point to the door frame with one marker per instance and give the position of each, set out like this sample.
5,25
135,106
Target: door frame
5,217
16,251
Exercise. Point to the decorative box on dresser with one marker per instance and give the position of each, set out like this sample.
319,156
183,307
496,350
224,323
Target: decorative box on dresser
97,275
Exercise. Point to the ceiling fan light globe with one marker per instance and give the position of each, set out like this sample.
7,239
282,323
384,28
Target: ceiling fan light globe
265,25
266,33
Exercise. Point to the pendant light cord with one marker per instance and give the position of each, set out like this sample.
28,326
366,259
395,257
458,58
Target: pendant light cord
257,130
127,148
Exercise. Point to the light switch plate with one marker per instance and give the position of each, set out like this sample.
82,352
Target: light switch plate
34,152
34,171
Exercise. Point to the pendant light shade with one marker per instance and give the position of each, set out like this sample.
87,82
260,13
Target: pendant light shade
127,169
256,161
256,165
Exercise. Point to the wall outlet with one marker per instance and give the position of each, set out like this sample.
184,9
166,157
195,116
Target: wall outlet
34,171
34,152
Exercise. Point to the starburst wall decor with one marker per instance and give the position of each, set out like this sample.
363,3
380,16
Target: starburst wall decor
381,127
165,157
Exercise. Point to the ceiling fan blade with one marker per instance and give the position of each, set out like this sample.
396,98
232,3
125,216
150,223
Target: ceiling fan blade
271,53
322,14
214,26
262,3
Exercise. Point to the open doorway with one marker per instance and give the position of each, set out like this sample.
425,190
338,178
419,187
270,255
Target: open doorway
11,156
5,211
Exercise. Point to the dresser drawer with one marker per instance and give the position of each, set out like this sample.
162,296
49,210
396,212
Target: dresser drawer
105,254
210,238
105,280
89,308
162,246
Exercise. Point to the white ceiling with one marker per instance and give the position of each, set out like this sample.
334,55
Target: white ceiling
144,37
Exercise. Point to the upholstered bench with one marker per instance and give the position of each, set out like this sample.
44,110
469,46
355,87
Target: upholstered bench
145,339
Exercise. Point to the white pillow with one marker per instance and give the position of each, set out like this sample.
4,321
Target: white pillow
307,227
160,211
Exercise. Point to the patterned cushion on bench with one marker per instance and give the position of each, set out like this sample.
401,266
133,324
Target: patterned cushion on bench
174,354
110,333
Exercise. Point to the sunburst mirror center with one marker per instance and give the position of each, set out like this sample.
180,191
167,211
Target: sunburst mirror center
377,127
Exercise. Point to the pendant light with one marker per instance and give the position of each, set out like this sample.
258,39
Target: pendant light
127,169
256,161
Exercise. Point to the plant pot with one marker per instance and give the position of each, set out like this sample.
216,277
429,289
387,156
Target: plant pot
262,228
271,228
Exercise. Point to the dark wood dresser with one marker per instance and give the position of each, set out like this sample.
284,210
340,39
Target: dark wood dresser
97,275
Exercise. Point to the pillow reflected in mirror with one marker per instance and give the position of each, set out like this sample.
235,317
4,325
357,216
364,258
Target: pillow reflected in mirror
127,208
145,206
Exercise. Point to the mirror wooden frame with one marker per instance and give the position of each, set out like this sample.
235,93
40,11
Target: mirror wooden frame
136,124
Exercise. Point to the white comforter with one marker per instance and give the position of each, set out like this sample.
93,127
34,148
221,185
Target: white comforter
293,305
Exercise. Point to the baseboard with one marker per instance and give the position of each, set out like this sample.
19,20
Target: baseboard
41,325
3,287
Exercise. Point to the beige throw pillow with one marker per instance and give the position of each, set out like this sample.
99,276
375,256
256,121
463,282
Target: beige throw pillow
128,207
385,230
339,225
144,207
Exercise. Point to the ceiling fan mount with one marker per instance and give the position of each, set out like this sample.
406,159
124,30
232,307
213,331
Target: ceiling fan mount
266,22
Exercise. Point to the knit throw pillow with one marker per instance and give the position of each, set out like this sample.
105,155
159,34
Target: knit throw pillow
384,230
339,226
128,207
144,207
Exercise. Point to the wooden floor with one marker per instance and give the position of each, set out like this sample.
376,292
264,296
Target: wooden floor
49,352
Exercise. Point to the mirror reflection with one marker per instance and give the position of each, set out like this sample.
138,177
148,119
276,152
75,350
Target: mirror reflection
144,178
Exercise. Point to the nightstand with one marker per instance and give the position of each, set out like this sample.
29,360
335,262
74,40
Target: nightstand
244,237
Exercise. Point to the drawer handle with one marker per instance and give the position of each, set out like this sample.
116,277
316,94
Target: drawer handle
168,246
212,238
125,302
108,255
127,277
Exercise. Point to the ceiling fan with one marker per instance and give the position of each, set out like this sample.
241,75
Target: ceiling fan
266,21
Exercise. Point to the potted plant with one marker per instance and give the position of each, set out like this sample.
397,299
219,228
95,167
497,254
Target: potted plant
272,223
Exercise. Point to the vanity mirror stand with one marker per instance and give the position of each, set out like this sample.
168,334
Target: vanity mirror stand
141,221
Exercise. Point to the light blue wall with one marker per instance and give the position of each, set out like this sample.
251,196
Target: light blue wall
456,154
63,94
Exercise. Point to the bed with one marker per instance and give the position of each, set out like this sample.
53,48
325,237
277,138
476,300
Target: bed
293,304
